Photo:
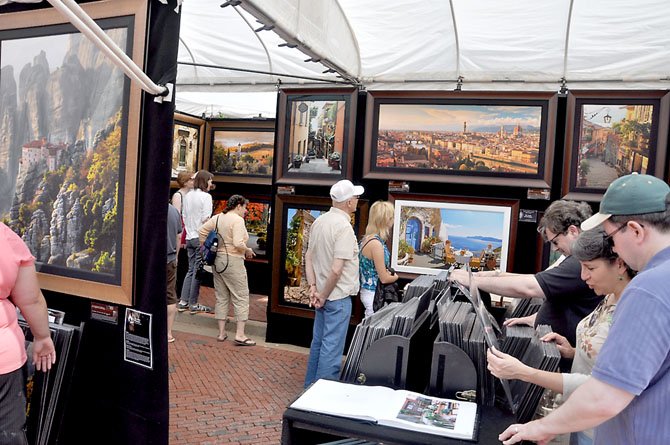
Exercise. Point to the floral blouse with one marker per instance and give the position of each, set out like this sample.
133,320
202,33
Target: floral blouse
368,273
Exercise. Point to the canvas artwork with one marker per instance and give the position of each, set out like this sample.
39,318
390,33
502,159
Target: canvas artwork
257,222
614,140
316,136
63,125
459,138
186,140
433,236
242,152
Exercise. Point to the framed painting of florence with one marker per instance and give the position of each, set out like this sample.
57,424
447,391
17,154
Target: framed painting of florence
68,161
611,134
315,135
460,137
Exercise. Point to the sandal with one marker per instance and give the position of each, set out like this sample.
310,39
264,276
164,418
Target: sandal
245,342
171,339
219,338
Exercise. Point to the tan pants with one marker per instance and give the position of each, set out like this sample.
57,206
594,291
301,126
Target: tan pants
231,286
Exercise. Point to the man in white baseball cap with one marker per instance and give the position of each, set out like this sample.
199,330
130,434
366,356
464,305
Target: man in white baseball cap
626,397
331,268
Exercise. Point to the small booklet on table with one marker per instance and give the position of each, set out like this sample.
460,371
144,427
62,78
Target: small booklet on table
393,408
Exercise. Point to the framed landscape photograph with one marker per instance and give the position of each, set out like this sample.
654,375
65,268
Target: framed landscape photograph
70,126
433,233
241,150
257,222
315,135
293,219
611,134
186,143
489,138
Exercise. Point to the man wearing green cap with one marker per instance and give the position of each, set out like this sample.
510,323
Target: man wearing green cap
628,394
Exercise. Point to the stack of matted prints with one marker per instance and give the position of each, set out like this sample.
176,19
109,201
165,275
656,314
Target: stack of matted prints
47,392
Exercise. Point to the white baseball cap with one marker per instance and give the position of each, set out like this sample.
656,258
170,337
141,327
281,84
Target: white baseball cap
345,189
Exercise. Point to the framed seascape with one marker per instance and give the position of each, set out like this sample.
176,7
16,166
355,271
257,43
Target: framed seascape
611,134
186,143
69,147
293,218
460,137
315,135
241,150
434,233
257,222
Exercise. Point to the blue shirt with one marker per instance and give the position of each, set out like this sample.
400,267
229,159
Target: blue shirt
636,358
368,273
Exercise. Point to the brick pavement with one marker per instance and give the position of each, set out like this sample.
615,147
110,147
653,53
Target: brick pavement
221,393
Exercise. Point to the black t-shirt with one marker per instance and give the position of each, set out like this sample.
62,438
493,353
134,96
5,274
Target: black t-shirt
568,298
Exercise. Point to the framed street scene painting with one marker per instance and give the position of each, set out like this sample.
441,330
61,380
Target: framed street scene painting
433,233
315,135
70,129
611,134
496,138
293,219
241,150
186,143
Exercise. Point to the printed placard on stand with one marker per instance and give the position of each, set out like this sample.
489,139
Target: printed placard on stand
109,313
538,193
527,215
137,347
398,186
286,190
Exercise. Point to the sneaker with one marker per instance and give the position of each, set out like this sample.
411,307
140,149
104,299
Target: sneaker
182,306
201,308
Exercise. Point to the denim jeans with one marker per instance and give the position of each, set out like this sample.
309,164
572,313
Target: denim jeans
190,289
330,332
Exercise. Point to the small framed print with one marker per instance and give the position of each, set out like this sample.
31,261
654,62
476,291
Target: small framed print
186,143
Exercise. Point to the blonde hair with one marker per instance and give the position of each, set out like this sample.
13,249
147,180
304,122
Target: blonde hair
380,213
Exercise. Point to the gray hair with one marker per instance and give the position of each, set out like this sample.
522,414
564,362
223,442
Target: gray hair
562,214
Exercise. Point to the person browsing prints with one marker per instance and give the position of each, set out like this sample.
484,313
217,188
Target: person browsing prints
230,274
374,256
626,397
19,288
608,275
567,298
331,267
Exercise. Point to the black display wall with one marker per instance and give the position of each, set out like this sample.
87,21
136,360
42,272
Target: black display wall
111,401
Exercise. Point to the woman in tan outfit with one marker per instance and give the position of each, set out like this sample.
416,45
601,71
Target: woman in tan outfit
230,274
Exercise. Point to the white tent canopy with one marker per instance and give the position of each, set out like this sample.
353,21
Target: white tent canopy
417,44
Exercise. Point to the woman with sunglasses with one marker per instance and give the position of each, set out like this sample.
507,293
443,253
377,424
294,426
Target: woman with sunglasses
605,273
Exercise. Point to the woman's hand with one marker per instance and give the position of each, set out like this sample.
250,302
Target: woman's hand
44,354
503,365
526,321
249,253
564,346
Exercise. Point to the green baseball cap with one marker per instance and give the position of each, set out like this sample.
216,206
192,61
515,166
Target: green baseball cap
632,194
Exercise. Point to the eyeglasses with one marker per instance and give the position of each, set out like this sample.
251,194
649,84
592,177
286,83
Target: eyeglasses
610,236
553,240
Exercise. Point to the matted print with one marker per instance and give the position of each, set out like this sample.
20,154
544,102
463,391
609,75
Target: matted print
611,134
293,220
257,222
476,138
315,135
68,148
186,143
434,233
241,150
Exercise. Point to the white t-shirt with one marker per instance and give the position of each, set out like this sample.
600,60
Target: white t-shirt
196,209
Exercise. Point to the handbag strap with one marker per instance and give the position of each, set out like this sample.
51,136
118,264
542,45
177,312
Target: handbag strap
378,238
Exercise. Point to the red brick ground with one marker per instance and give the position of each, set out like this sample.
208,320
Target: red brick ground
221,393
257,304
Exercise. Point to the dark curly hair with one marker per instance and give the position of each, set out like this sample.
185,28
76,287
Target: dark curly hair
562,214
234,201
595,244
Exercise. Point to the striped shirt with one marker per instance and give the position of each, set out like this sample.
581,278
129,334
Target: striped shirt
636,359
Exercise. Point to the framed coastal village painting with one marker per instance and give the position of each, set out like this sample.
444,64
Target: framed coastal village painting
68,165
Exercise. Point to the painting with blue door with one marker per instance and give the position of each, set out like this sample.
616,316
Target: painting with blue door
432,236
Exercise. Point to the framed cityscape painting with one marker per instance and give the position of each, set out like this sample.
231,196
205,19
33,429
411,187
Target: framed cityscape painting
241,150
433,233
293,220
70,132
611,134
257,222
460,137
315,135
186,143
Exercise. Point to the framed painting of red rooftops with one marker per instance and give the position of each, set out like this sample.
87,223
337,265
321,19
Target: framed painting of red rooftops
485,138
